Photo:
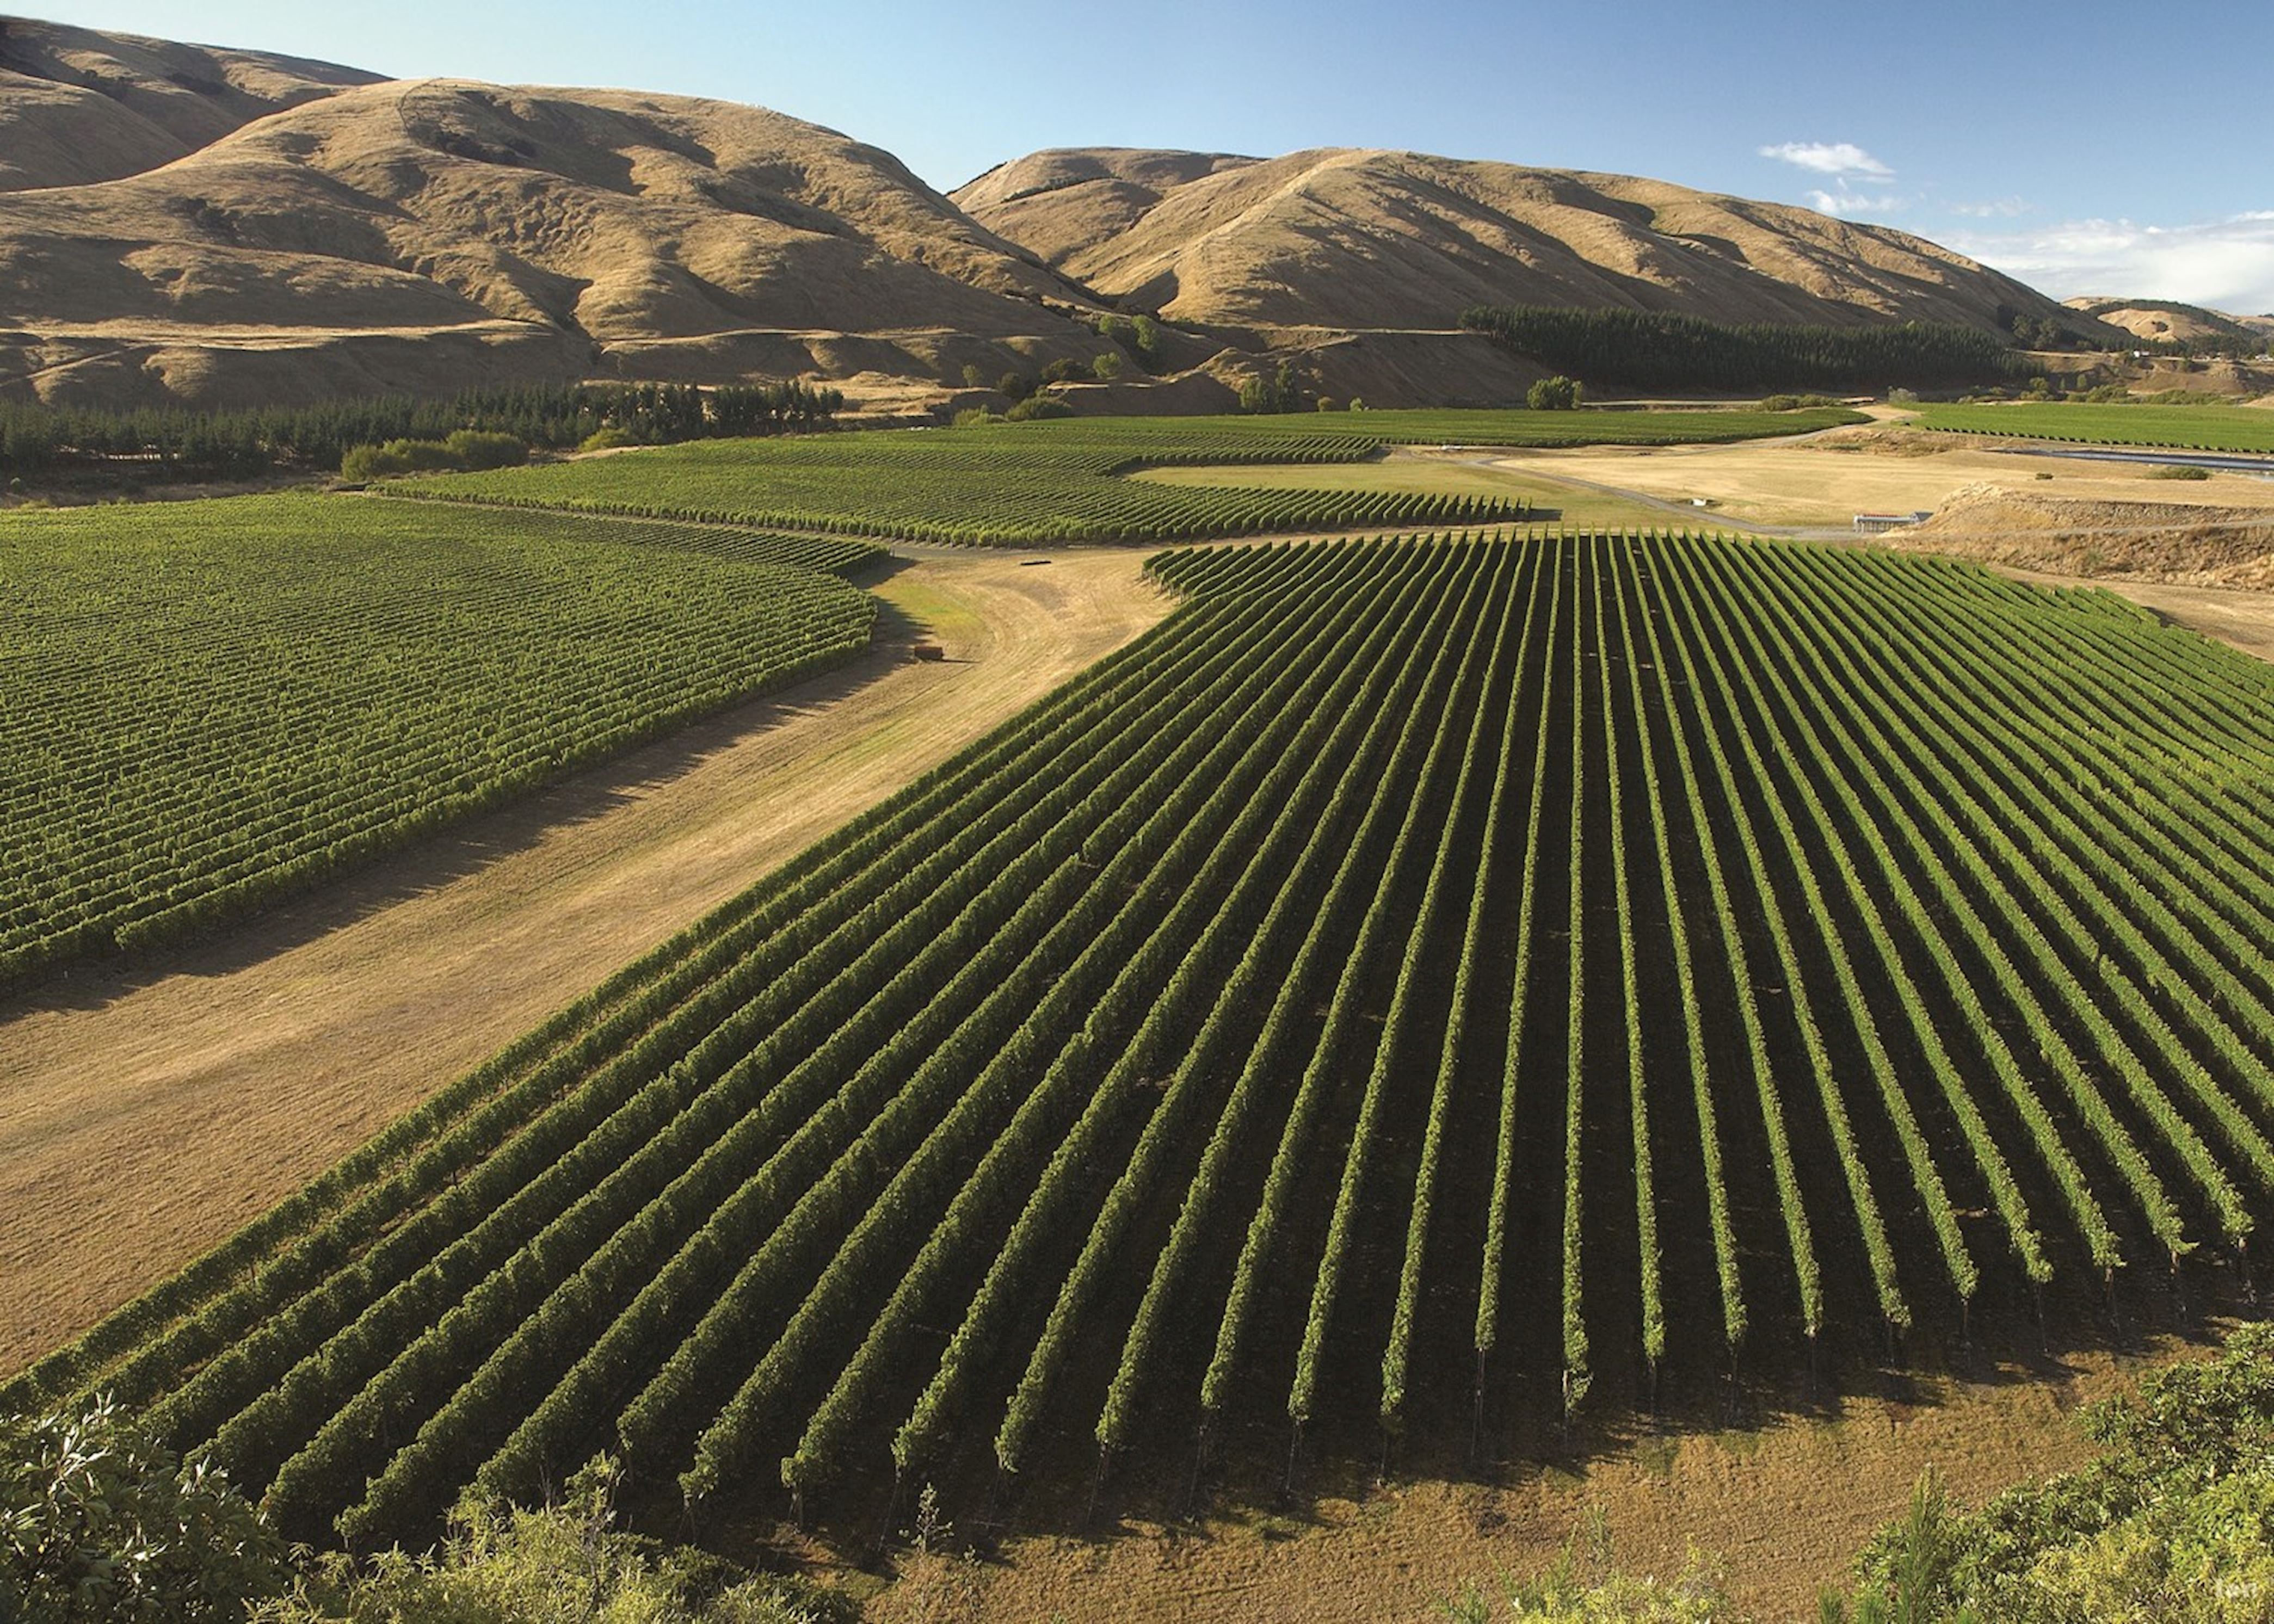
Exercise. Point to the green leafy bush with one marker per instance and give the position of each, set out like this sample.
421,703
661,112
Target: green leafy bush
1557,393
1037,406
99,1521
1796,402
503,1565
2173,1524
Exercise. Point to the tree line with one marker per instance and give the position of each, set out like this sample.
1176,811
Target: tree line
1661,349
187,444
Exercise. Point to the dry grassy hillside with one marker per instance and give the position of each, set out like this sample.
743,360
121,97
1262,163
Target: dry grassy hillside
526,233
2171,322
1349,240
181,223
78,106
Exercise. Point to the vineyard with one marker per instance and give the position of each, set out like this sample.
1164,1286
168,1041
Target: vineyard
2179,428
1049,481
1418,978
205,705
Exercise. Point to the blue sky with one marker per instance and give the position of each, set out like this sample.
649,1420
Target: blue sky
2089,147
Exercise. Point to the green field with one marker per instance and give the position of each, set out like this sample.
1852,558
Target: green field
1547,499
1060,481
206,704
1420,989
2179,428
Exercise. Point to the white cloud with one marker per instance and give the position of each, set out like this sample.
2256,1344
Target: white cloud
1997,208
2226,264
1848,204
1829,158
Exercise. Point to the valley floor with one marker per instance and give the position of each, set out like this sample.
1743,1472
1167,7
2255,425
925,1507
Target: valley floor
147,1112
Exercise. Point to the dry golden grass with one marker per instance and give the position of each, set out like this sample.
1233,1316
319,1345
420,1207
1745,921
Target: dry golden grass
577,228
1823,481
1365,239
76,105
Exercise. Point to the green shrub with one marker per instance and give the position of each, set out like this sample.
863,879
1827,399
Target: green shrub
99,1521
463,451
610,438
476,448
506,1566
2174,1523
1557,393
370,462
1035,406
1796,402
973,416
2178,470
1108,366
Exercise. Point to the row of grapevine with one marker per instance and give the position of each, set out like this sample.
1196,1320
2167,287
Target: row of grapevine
204,706
1143,1070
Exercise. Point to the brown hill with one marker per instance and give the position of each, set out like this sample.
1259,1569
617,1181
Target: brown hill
78,106
180,222
419,235
2172,323
1354,239
2181,543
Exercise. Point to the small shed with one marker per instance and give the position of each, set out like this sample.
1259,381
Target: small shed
1874,524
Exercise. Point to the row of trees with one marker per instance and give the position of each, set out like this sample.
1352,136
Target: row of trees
1658,350
197,445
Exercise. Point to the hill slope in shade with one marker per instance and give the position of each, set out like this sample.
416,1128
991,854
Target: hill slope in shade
78,106
1354,238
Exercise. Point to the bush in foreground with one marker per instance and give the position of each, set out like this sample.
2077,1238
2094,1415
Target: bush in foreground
568,1564
2174,1523
99,1521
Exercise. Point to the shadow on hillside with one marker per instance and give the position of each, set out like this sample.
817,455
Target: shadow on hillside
582,796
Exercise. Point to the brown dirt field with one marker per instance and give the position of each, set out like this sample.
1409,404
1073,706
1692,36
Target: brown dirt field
1824,480
146,1113
1780,1511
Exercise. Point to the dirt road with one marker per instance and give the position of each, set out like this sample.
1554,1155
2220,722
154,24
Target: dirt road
146,1114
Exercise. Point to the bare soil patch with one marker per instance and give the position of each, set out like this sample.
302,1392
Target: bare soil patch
1824,480
146,1113
1781,1510
2174,543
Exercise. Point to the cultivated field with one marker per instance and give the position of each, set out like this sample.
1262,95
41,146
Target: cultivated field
1463,472
150,1108
1303,1022
2193,428
205,706
1060,481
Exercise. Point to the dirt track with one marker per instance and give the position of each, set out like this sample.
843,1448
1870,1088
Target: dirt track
146,1114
